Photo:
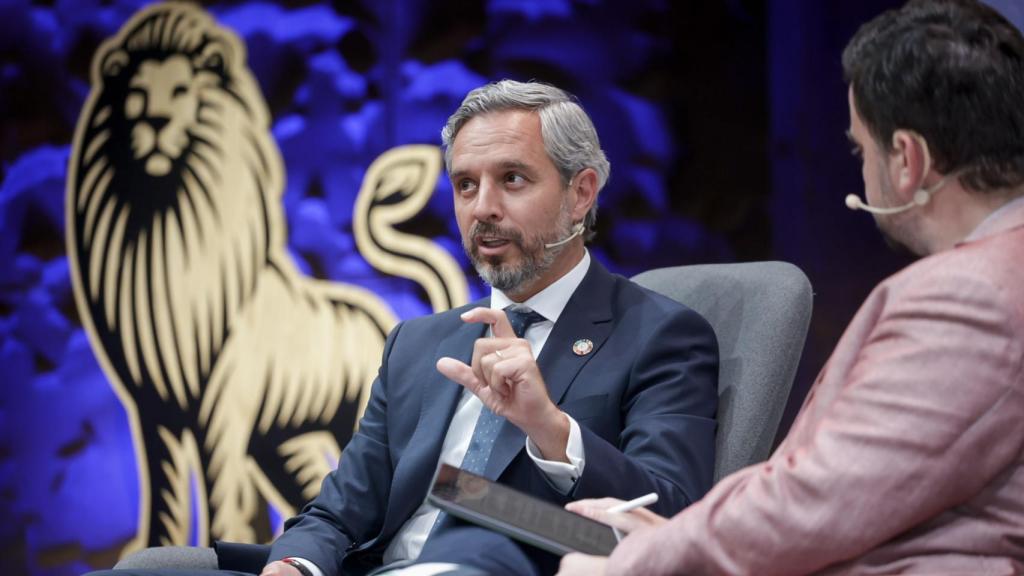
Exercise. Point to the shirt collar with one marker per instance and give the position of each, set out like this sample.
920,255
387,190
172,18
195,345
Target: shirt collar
1009,215
550,301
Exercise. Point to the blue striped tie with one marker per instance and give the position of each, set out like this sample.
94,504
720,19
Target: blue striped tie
488,423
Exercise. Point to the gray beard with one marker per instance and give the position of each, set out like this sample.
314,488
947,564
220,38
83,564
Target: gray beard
511,279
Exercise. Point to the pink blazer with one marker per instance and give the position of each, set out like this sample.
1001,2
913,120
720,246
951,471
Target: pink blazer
908,453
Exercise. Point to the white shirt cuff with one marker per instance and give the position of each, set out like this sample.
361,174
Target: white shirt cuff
563,476
309,566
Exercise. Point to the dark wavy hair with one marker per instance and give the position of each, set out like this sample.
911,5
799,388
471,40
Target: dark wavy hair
952,71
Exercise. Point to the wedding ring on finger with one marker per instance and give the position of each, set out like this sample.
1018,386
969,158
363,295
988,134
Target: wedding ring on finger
499,354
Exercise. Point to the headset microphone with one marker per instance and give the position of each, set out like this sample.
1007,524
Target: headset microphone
921,197
576,231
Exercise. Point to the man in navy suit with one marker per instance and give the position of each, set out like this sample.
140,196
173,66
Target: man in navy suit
611,389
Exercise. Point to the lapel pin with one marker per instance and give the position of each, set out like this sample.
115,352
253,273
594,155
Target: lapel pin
582,347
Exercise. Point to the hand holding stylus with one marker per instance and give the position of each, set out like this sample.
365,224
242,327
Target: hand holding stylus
623,517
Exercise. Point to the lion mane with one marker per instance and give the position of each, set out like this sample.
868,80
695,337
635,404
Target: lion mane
241,377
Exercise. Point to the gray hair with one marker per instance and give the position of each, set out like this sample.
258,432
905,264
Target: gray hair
568,133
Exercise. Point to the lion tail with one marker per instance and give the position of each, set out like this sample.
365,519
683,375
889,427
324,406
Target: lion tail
396,187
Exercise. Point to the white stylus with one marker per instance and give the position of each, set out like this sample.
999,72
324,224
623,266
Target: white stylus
645,500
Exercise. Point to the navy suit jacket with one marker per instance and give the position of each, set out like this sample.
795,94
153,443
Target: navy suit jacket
644,398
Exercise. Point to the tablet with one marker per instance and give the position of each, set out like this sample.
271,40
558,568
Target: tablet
542,524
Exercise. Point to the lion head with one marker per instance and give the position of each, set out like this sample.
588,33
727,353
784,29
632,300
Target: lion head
174,197
161,105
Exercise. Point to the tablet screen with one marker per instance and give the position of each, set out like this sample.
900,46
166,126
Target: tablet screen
519,515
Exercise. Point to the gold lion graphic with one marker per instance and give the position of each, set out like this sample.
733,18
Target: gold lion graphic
241,377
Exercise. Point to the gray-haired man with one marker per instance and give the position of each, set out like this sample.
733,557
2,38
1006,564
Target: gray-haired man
605,389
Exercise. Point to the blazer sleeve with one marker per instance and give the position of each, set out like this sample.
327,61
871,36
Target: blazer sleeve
353,498
926,416
667,443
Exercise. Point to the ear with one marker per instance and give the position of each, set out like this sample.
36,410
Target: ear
583,193
910,161
215,57
114,63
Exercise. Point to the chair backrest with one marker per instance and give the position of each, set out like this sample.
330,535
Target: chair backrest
760,312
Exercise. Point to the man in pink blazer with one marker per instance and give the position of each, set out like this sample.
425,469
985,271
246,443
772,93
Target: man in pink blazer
908,454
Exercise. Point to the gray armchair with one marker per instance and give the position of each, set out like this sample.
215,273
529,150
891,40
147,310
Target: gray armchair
760,312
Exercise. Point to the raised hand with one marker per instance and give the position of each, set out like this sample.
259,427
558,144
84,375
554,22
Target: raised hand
504,375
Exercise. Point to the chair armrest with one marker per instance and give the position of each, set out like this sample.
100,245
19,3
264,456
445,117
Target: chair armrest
170,557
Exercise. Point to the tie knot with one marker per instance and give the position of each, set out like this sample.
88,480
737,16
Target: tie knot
521,318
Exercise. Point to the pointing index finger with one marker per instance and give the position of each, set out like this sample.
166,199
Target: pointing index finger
500,325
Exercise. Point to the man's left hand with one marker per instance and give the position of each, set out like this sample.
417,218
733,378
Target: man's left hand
577,564
506,378
279,568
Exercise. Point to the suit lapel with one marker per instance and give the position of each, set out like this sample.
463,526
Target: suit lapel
440,397
587,314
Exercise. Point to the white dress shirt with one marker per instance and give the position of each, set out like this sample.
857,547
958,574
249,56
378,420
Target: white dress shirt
550,302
